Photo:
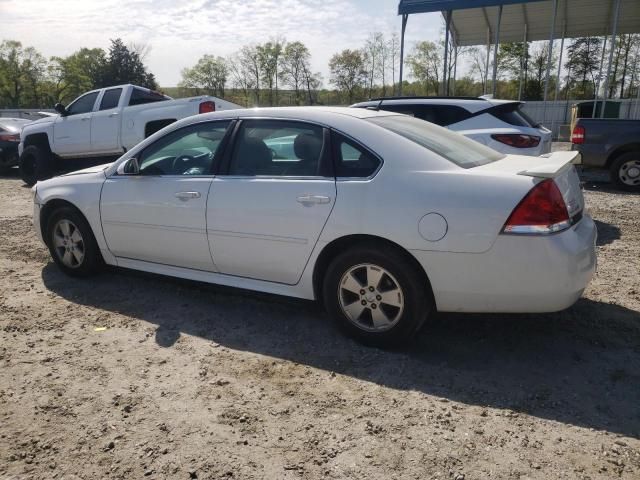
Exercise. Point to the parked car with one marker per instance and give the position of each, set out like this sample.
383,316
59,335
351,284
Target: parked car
384,217
499,124
9,139
103,124
610,144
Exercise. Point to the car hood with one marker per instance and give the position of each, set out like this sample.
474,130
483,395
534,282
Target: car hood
96,169
48,119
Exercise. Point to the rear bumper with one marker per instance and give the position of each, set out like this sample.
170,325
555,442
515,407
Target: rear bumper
519,274
8,154
592,155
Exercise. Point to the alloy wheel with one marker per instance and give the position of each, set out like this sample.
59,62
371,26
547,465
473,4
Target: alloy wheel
371,297
68,243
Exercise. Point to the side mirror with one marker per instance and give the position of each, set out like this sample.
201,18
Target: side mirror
130,167
61,109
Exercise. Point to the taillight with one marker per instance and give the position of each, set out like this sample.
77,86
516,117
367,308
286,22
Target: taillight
517,140
541,211
9,137
206,107
577,136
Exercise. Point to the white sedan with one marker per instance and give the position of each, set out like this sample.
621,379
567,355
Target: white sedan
384,217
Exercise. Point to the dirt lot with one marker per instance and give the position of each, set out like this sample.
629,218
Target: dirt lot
129,375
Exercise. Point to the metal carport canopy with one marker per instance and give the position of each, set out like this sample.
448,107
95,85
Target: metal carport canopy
471,19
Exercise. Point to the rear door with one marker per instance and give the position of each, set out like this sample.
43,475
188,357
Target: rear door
268,206
105,123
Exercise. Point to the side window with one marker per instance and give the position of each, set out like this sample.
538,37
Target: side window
404,109
110,99
352,160
140,97
448,115
427,113
188,151
277,148
83,104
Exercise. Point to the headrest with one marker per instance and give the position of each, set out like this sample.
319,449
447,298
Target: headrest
307,147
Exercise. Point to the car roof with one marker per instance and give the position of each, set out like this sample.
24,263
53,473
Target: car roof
315,113
471,104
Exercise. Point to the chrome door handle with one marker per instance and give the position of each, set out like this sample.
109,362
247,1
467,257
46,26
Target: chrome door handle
84,119
187,195
113,114
313,199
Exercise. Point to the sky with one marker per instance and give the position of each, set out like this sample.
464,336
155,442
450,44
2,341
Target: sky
181,31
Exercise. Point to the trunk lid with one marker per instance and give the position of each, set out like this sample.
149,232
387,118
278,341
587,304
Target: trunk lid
557,166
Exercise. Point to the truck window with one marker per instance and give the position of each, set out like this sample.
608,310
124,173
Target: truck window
110,99
140,97
84,104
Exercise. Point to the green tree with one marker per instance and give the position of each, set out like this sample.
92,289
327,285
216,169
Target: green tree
425,63
348,72
22,71
269,57
583,62
295,65
209,74
124,66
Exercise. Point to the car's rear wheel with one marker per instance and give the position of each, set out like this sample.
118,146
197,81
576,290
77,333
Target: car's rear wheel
35,164
379,297
625,171
71,243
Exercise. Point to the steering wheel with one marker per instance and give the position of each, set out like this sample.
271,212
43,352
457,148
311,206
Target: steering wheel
181,163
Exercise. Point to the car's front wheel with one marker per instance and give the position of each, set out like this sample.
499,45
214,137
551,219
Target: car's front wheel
377,295
625,171
35,164
71,243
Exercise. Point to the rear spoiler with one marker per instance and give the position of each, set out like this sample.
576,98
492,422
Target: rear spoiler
552,164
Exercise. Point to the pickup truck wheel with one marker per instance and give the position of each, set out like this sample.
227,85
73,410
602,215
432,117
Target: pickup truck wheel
35,164
625,171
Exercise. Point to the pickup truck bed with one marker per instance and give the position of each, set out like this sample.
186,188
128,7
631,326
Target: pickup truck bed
611,144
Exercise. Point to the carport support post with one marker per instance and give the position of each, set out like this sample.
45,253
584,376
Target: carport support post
404,27
486,66
549,57
455,65
614,31
445,75
524,55
564,31
597,92
494,86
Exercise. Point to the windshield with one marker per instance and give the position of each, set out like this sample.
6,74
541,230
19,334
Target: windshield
454,147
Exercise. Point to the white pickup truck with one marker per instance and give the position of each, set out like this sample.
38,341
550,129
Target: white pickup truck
102,124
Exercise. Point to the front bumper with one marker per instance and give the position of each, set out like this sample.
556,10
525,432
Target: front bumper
519,274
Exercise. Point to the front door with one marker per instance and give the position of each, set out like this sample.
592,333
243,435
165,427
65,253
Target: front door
72,132
159,215
267,210
105,124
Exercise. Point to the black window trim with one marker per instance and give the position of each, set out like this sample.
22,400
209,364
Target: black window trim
217,159
326,156
97,94
104,93
335,156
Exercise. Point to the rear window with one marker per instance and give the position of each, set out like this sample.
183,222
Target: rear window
140,97
512,114
454,147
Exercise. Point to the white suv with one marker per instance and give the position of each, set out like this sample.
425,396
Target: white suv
499,124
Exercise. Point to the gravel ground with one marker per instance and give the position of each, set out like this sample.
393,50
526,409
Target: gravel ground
129,375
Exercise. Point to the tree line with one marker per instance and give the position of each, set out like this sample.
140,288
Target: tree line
279,72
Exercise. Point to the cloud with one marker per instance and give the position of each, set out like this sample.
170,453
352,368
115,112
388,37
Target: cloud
182,31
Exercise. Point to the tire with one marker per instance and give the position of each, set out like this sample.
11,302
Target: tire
35,164
394,279
625,171
75,256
